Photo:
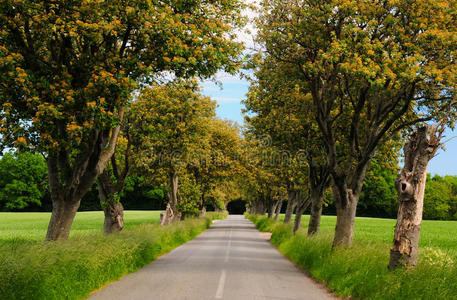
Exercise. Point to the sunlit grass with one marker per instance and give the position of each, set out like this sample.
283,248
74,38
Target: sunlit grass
33,226
441,234
33,269
361,271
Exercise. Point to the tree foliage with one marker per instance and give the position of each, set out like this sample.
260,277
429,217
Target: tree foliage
22,180
68,68
372,69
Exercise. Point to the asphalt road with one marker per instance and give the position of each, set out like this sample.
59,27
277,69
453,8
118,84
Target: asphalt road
230,260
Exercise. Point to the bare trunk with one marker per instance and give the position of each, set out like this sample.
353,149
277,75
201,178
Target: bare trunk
113,210
297,221
278,209
346,206
203,212
63,214
259,208
202,205
303,205
114,218
410,184
346,200
291,203
272,208
171,214
344,230
317,200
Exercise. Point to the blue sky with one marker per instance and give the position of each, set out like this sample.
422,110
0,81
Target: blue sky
234,90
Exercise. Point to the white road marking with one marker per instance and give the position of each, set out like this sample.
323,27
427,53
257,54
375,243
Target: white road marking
221,285
227,252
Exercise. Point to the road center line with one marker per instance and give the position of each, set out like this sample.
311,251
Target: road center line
227,252
221,285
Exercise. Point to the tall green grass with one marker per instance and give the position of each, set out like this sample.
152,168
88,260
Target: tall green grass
72,269
361,271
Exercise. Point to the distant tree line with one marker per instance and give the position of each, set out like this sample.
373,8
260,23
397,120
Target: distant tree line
24,187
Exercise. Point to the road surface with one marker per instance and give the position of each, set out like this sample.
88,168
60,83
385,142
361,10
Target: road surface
230,260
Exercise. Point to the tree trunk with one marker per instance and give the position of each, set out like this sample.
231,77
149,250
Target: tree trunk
114,218
171,214
271,208
291,203
203,211
259,208
410,184
345,219
302,206
346,200
278,209
346,206
202,205
71,177
113,210
317,200
63,214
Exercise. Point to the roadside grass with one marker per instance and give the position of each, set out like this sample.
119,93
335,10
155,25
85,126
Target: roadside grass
361,271
33,226
72,269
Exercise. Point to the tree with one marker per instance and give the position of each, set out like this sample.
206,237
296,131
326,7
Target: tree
111,182
67,70
218,157
22,180
173,118
438,199
372,69
281,110
410,183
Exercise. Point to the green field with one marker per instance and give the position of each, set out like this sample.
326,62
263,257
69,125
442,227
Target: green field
437,234
33,226
361,271
71,269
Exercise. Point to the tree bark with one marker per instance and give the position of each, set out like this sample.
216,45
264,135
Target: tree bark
272,208
346,200
113,210
317,200
108,190
302,206
63,213
315,216
410,183
171,214
319,182
202,205
258,208
291,203
345,219
114,218
278,209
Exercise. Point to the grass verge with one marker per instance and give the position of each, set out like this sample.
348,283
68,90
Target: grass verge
361,271
72,269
